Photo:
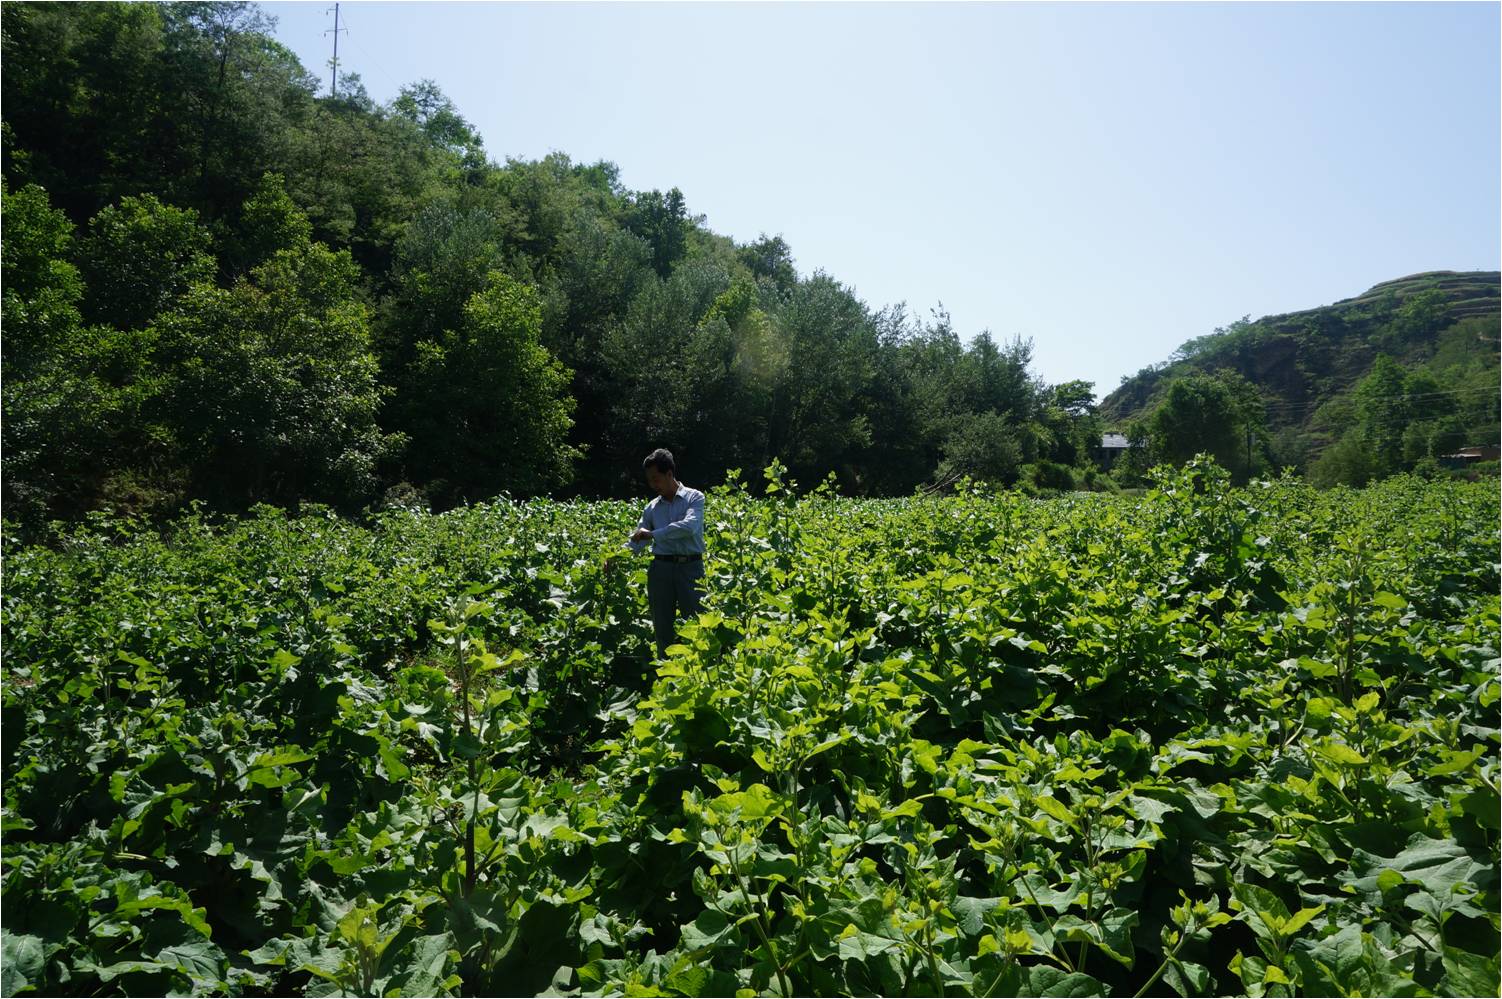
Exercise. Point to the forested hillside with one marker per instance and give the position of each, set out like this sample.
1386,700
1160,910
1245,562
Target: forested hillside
1383,382
220,286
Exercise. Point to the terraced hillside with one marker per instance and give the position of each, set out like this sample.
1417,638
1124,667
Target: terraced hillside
1443,322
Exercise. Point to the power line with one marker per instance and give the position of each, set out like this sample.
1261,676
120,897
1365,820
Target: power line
1303,408
1290,410
1417,395
375,62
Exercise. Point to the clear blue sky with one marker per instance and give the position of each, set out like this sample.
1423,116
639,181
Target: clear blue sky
1108,180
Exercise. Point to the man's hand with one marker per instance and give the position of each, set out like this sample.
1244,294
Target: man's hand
642,534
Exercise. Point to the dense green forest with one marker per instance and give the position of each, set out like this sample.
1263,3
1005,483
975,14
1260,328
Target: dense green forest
1381,383
221,286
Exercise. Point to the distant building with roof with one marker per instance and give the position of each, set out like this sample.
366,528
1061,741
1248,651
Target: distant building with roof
1468,456
1112,446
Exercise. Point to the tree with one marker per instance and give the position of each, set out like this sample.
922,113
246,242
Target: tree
1070,424
645,362
430,109
985,447
1382,415
819,420
771,260
488,406
995,379
235,91
218,31
183,130
85,110
363,176
1075,398
901,457
139,257
1421,315
58,409
1225,341
269,221
662,220
188,102
270,386
931,358
732,364
445,257
1210,413
600,268
1346,462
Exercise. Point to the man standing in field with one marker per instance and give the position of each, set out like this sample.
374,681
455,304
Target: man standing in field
673,524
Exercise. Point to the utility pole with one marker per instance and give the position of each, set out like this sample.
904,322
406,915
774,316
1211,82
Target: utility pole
334,62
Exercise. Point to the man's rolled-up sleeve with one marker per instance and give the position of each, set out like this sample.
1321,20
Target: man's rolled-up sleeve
638,546
687,527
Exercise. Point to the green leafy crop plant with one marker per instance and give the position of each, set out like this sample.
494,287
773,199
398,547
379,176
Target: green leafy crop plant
1200,741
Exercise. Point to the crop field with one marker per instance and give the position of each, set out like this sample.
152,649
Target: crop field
1201,741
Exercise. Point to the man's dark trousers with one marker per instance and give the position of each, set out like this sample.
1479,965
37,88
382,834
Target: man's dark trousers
672,588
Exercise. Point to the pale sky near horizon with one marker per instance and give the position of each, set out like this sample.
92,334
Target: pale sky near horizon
1109,180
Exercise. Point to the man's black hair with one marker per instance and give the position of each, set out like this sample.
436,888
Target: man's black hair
661,459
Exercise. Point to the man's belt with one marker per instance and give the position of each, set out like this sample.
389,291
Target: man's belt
679,558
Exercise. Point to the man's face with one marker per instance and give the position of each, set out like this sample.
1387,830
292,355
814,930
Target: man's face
659,482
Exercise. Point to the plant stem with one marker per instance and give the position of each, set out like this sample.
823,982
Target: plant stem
469,827
1167,960
928,950
997,980
760,923
1063,951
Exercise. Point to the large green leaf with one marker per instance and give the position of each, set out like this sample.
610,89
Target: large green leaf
1047,981
22,960
1468,974
709,930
